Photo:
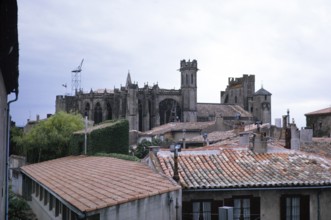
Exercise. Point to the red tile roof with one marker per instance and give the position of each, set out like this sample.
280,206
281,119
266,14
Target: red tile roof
320,112
91,183
239,168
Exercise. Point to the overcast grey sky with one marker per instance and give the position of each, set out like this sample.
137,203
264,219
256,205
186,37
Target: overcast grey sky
285,43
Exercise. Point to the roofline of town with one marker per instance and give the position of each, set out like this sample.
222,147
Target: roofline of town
81,214
259,188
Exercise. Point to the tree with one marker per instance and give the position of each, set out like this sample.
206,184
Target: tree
15,132
19,208
50,138
142,149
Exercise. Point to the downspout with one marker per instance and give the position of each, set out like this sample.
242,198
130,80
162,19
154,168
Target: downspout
7,156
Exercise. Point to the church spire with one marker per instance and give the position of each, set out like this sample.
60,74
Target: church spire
128,80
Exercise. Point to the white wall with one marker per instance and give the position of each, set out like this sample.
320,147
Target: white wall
154,207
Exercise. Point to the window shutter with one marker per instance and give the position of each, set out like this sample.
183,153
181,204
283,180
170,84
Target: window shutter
187,210
304,207
255,207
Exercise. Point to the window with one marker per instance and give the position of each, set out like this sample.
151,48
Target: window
241,209
244,207
37,189
191,78
51,202
45,197
295,207
201,210
58,208
41,193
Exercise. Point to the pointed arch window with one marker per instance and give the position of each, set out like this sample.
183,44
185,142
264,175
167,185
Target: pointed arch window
97,113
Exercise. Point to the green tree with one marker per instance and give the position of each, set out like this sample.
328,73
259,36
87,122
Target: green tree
143,147
50,138
15,133
19,208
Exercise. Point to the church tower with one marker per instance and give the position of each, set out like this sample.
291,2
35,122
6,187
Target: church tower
188,70
262,105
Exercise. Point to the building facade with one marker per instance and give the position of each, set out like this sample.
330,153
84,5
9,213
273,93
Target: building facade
145,107
99,188
320,122
8,84
272,185
151,106
241,91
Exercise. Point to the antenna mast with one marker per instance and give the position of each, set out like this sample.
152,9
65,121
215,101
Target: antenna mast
76,78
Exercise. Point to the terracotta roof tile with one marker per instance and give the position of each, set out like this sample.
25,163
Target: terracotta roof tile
91,183
233,168
320,112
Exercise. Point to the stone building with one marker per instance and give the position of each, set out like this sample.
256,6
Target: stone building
151,106
99,188
320,122
241,91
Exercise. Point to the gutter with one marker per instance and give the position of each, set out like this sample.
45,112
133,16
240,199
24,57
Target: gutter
257,189
7,155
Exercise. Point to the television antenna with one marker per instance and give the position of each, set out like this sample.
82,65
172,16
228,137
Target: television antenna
76,78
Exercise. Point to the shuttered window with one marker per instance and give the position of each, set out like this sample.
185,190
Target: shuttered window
294,207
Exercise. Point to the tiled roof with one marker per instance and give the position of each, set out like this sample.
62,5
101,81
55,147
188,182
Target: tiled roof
178,126
262,91
213,137
320,112
91,183
225,110
240,168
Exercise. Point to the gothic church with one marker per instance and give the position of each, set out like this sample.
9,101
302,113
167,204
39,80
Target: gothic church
151,106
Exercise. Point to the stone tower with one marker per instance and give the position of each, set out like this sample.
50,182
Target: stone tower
261,105
239,91
131,103
188,70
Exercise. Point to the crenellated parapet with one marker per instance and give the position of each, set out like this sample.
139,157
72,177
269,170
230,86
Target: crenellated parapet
188,65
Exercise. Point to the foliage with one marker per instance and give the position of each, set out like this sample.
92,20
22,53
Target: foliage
118,156
50,138
108,137
15,134
18,208
142,149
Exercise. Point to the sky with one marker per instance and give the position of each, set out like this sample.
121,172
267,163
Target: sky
285,44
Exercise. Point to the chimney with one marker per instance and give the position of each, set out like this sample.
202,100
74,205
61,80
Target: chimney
243,139
260,143
295,137
175,149
219,123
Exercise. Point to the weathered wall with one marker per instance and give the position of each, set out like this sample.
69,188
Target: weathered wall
155,207
321,125
270,200
42,211
3,125
15,162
